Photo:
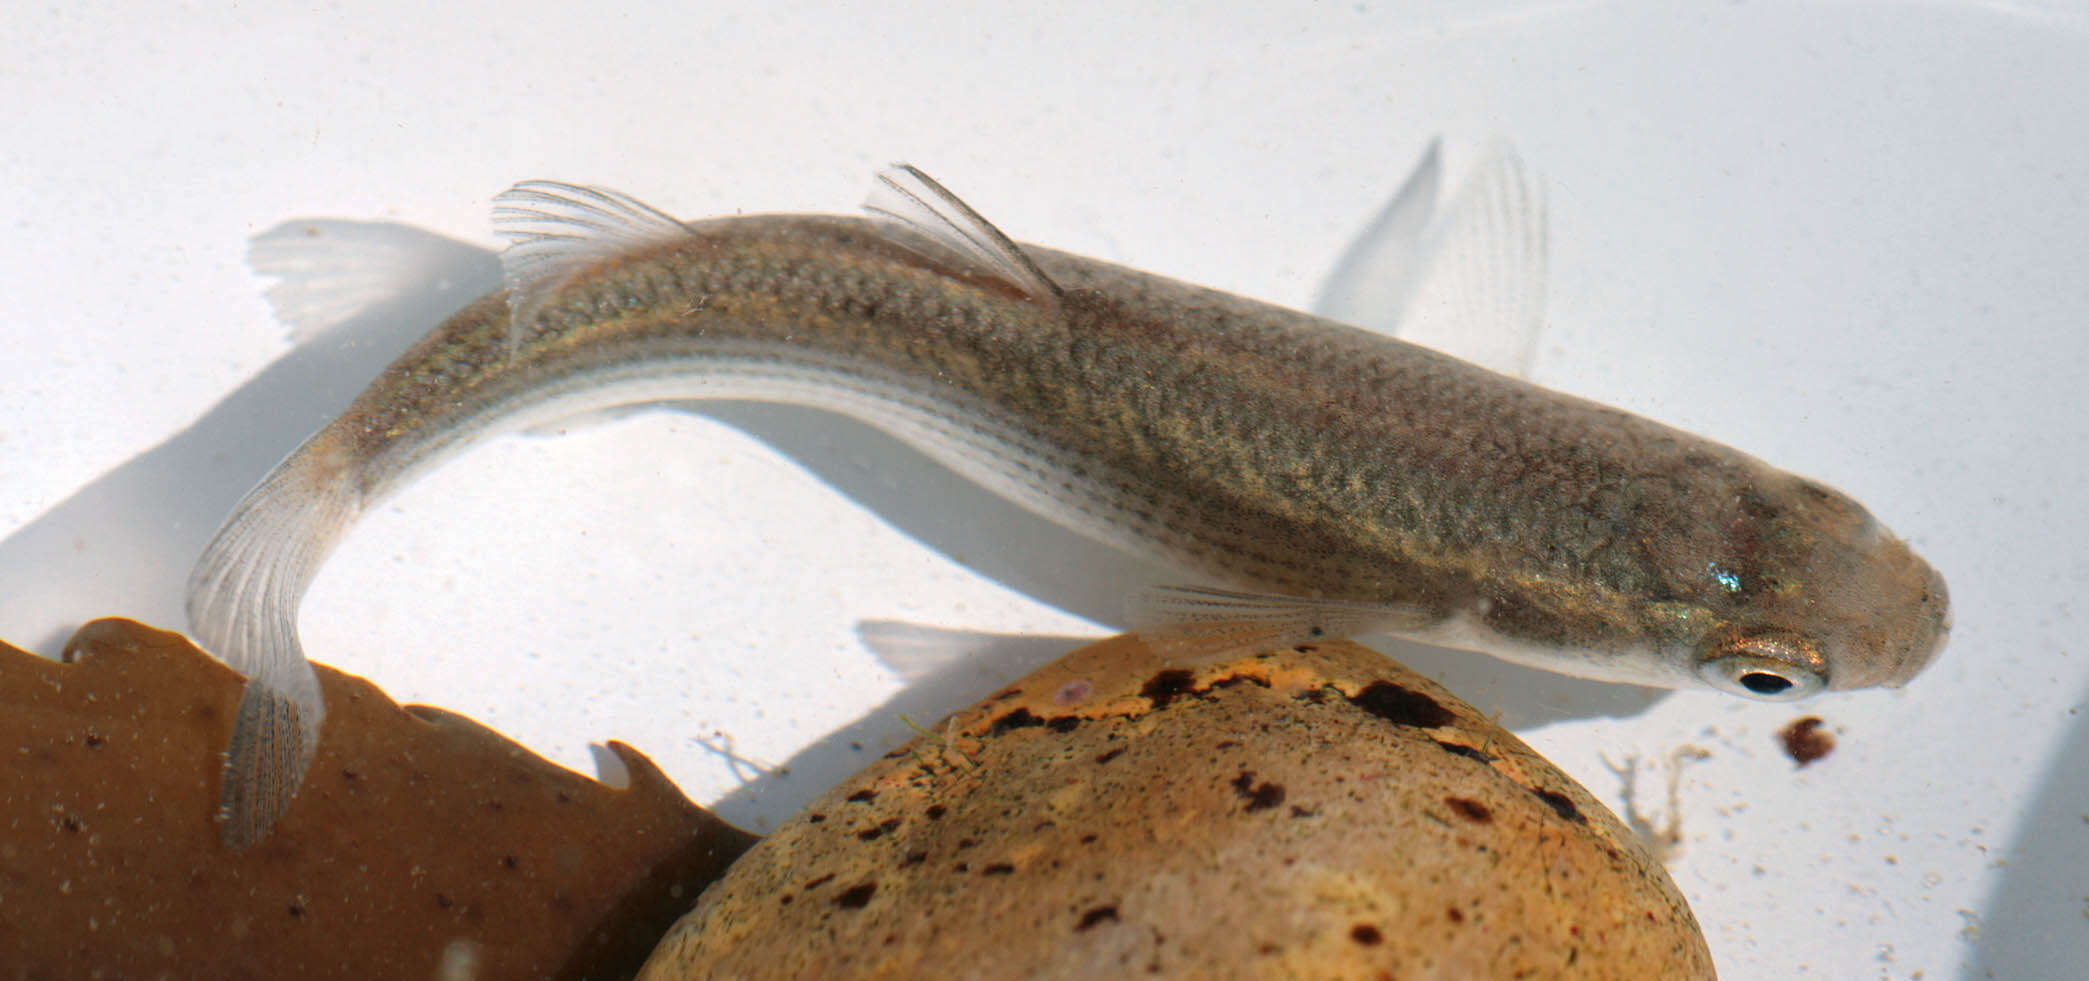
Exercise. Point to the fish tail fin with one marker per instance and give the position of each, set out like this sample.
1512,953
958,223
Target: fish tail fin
265,764
243,599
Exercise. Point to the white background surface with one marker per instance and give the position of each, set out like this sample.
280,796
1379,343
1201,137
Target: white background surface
1847,237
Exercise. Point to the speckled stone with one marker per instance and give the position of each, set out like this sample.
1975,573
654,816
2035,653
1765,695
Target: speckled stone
1318,812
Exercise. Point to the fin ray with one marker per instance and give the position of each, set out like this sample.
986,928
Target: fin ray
922,214
1375,279
243,600
556,231
329,271
1200,624
1472,284
263,766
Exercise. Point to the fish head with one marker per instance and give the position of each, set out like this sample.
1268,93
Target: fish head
1819,596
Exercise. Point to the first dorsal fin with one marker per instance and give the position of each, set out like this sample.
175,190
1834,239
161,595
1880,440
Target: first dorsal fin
919,213
556,231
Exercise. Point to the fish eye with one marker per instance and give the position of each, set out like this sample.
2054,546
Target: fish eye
1773,666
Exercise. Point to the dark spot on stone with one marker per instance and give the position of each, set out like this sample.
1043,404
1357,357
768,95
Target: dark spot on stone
1454,914
963,867
1064,723
1021,718
1460,749
1301,812
882,829
1259,797
509,862
1806,740
998,868
862,796
349,775
1471,810
1006,695
821,881
935,812
1305,649
563,797
1100,914
815,818
913,858
1089,839
1168,686
856,897
1228,744
94,740
1109,755
1366,934
1233,680
1560,804
1401,706
71,823
1317,696
297,911
442,901
786,899
967,842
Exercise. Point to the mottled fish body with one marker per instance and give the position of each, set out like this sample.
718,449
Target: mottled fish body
1307,477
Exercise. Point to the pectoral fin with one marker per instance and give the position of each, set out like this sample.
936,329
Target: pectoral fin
1467,279
1194,624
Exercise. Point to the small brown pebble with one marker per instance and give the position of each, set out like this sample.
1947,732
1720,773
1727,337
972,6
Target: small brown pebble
1806,739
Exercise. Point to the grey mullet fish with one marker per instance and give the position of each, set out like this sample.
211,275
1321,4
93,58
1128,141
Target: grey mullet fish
1307,477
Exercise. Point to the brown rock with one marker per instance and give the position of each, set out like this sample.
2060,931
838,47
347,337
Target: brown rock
421,841
1320,812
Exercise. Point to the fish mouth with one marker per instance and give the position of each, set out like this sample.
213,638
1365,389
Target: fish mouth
1937,623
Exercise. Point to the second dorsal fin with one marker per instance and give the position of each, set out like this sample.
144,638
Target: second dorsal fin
555,231
919,213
